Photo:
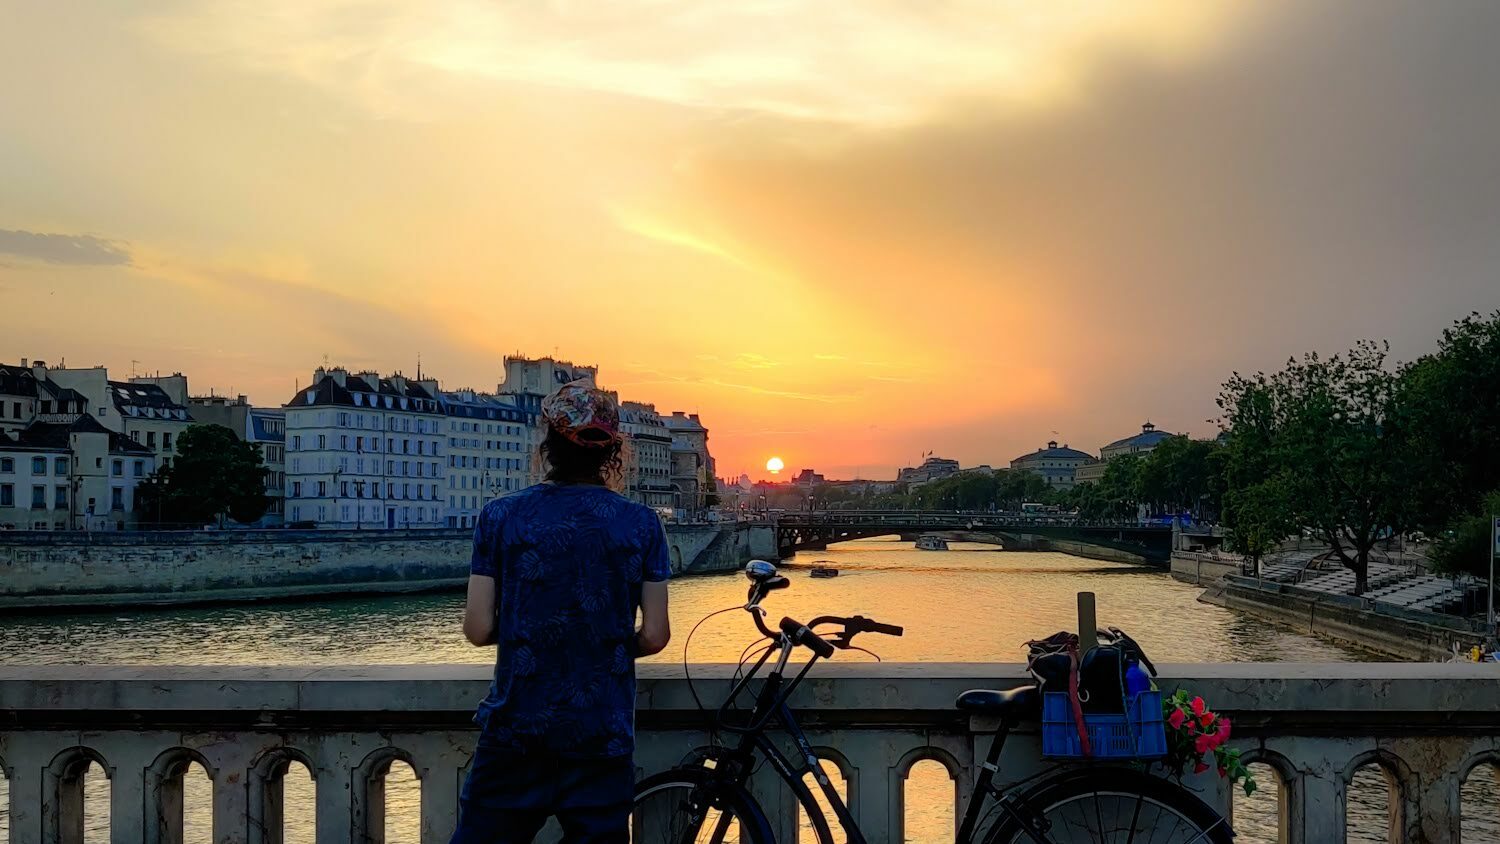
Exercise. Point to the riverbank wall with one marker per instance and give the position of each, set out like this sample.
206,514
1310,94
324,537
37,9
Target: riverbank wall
1202,569
47,571
1407,635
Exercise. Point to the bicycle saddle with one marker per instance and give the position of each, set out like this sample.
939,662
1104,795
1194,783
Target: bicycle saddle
1018,703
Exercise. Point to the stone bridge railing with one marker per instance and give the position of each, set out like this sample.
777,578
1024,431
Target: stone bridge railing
1426,726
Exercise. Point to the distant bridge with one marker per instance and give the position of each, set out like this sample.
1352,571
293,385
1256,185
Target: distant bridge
814,531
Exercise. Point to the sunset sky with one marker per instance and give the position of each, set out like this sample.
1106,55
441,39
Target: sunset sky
846,232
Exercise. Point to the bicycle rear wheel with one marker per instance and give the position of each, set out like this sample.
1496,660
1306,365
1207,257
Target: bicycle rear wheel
1111,806
687,806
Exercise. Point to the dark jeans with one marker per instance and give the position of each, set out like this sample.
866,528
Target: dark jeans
508,797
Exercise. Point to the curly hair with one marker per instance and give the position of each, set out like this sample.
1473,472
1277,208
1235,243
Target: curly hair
570,463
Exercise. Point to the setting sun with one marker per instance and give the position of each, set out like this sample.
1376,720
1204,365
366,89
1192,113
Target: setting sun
774,465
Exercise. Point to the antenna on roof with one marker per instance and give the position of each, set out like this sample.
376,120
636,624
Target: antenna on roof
133,362
419,366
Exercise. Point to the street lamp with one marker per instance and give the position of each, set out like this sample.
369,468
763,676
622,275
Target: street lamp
359,508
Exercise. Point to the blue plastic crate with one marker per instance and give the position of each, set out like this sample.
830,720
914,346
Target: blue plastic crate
1136,734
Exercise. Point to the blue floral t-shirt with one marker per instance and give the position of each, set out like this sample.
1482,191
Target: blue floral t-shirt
568,562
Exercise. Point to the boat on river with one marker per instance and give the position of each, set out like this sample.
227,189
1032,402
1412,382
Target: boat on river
931,543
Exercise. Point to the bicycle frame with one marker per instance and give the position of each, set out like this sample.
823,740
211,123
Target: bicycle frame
770,703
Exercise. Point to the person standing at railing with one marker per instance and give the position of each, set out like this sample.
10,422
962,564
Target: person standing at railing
560,571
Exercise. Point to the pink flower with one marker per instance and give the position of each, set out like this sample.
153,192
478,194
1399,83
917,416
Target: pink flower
1176,719
1223,732
1199,707
1203,744
1199,768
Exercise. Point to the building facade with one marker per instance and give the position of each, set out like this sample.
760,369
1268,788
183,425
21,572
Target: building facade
75,475
932,469
1143,443
364,451
1055,464
488,455
693,477
648,456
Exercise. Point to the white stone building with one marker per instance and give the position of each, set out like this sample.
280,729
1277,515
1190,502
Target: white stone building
1055,464
488,451
648,455
75,475
364,451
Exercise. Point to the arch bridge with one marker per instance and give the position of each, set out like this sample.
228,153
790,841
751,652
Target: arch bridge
813,531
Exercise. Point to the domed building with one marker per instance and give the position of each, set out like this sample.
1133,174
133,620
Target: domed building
1148,439
1055,464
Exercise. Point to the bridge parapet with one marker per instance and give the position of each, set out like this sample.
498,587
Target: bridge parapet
1426,726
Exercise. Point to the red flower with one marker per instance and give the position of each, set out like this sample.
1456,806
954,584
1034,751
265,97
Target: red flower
1203,744
1206,719
1199,768
1176,719
1199,707
1223,732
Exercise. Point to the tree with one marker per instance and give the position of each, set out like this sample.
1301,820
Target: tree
1182,474
1464,548
216,474
1259,517
1328,430
1451,402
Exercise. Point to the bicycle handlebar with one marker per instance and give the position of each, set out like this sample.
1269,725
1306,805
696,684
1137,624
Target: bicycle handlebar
802,634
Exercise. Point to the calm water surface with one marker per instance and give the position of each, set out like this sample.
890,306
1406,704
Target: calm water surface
969,604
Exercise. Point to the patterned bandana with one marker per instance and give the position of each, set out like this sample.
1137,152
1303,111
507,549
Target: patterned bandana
586,416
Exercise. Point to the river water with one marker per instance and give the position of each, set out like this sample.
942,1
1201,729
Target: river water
968,604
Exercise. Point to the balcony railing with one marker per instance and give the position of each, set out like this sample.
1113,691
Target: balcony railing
1425,726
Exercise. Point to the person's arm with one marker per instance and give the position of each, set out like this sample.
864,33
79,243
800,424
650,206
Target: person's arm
656,568
656,627
479,610
480,625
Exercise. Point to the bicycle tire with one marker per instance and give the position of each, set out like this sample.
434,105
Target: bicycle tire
693,783
1135,796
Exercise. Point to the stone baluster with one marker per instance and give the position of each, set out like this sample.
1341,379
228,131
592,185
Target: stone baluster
1319,819
333,774
778,802
26,758
876,788
231,760
129,757
440,760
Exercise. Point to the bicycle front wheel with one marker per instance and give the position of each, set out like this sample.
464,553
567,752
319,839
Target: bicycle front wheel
687,806
1110,806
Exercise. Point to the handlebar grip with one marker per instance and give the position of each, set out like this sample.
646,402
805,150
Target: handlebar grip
801,634
870,625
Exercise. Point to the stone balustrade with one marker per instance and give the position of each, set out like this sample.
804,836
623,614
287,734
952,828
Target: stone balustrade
1426,725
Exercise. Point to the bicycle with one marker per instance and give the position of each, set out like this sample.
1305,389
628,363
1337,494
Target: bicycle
708,801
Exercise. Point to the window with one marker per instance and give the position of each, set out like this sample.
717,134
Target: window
38,465
60,498
117,468
322,441
7,465
98,462
135,436
7,495
151,439
46,405
322,488
60,467
117,498
344,491
343,442
38,498
139,469
296,489
296,442
16,409
166,441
